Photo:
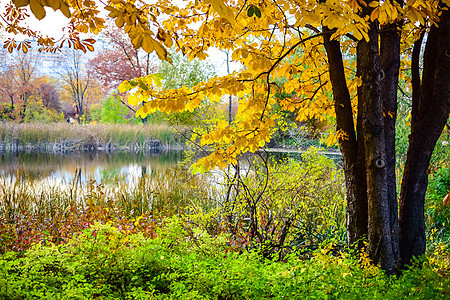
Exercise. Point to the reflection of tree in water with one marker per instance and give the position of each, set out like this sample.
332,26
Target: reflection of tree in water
77,177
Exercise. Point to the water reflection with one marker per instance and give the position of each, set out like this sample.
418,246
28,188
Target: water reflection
106,167
81,167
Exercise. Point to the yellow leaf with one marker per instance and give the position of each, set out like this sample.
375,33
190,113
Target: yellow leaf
136,222
124,86
37,9
414,15
375,14
142,112
20,3
90,47
331,140
168,41
120,21
394,14
332,21
134,100
157,78
161,51
55,4
65,9
223,10
137,41
147,44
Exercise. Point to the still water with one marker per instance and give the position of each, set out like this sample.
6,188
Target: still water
85,166
102,166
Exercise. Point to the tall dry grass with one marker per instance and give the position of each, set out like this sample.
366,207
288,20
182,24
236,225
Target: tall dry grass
168,188
120,134
35,211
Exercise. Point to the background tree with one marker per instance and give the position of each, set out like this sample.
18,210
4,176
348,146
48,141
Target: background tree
8,91
25,68
120,60
49,94
20,84
113,111
184,72
46,103
75,82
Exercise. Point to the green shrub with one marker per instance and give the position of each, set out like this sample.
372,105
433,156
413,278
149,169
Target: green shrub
438,215
278,205
104,262
37,112
113,111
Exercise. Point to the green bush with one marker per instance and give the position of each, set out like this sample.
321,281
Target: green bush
438,215
37,112
103,262
113,111
279,205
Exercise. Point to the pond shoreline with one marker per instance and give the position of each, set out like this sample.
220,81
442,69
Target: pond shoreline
73,146
68,138
149,145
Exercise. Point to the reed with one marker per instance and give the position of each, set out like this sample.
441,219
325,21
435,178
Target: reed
120,134
34,211
154,191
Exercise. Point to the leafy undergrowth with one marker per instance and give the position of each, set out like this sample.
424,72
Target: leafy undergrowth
104,262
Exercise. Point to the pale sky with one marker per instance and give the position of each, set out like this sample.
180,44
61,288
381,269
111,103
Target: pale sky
51,25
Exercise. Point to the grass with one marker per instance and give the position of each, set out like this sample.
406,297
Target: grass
121,135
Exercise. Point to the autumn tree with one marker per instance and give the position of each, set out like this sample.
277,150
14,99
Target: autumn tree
25,93
20,82
352,50
50,95
75,81
25,68
7,90
120,60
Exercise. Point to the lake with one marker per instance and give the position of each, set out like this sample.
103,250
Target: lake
100,166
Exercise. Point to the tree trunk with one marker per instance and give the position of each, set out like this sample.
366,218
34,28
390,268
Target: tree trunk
352,150
369,96
390,63
430,111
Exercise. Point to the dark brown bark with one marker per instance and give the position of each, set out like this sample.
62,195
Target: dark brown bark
431,109
371,149
369,95
390,64
354,168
